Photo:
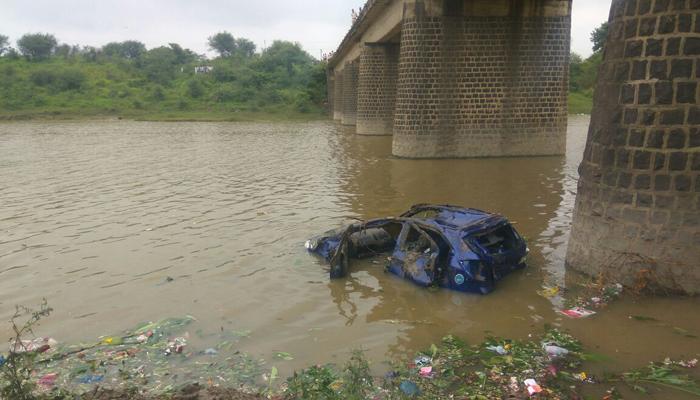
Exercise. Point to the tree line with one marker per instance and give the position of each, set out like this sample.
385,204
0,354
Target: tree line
41,73
584,72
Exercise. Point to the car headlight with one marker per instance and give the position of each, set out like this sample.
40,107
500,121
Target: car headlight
311,245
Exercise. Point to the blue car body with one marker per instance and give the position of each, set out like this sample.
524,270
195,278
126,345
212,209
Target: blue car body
432,245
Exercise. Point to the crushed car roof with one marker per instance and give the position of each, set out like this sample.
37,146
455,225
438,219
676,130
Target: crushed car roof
451,217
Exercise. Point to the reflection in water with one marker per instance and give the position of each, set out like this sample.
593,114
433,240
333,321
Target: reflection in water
553,240
121,222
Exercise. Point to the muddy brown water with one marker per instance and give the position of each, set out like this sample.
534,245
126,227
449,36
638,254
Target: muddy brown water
118,222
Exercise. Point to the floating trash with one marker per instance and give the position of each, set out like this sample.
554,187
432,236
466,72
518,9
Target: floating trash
39,345
513,386
422,361
283,355
498,349
48,381
90,379
532,387
578,312
549,292
409,388
682,363
554,351
145,357
176,345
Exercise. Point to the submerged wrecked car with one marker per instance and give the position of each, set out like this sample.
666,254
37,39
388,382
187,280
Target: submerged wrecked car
432,245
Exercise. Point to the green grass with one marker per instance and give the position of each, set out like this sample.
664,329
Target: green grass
580,103
59,89
238,90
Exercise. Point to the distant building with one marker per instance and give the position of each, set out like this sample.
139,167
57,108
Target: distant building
204,69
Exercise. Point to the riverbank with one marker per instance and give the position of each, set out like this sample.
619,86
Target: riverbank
160,115
164,360
549,365
580,103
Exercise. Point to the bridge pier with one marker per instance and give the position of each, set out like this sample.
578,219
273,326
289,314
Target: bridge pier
330,92
376,97
482,78
475,78
637,214
338,95
350,81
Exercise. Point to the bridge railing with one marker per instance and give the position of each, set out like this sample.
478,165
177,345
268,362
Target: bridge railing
354,28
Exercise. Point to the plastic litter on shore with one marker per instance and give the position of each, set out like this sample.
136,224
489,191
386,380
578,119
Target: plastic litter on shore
532,387
554,351
409,388
155,357
39,345
498,349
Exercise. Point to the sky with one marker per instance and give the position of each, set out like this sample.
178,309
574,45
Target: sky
319,25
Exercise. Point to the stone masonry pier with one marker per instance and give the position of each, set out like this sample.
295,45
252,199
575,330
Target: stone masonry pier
637,215
457,78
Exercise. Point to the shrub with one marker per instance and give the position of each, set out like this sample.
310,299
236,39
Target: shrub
313,383
43,77
16,371
224,73
224,94
195,89
70,79
9,70
158,94
60,80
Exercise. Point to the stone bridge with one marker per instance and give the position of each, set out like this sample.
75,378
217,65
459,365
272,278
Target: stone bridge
456,78
476,78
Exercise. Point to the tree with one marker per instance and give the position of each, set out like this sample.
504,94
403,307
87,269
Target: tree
12,54
575,71
4,41
90,53
182,56
130,49
598,36
160,64
36,46
112,49
223,43
285,55
63,51
245,47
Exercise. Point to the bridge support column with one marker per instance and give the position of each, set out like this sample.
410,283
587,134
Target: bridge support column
338,95
376,98
350,80
330,87
482,78
637,214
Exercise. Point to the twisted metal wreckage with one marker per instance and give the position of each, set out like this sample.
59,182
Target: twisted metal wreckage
432,245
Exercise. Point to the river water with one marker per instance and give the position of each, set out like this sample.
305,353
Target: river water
119,222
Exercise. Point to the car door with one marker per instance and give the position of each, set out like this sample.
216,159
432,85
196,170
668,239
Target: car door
415,256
